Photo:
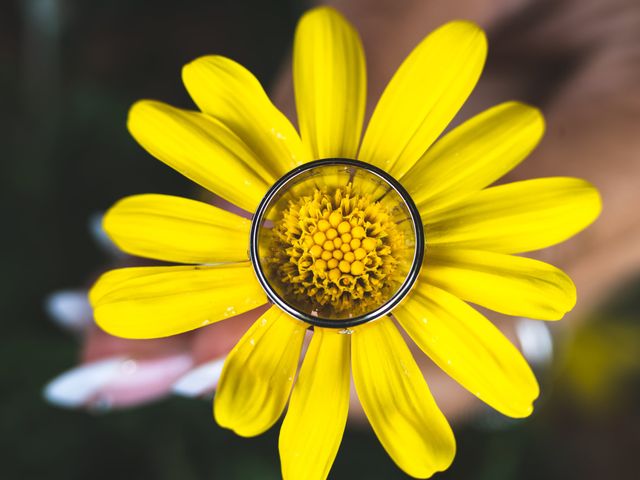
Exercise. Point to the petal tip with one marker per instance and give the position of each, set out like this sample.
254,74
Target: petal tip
595,206
466,28
141,106
442,463
104,323
536,117
523,411
320,11
139,113
192,66
530,116
229,423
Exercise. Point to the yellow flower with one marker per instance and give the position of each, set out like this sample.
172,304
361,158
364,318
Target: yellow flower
338,252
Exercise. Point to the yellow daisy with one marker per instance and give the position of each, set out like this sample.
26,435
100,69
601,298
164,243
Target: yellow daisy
344,232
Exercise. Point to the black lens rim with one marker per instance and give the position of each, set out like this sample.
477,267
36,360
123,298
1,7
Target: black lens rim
385,308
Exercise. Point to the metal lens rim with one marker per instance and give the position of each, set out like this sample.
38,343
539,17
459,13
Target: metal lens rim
385,308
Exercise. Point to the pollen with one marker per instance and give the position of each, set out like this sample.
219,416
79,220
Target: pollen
337,252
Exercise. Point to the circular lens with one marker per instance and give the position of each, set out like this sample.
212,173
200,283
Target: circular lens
337,243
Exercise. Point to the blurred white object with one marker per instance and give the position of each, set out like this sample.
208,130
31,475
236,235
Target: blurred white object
200,381
536,341
73,389
70,309
117,382
101,238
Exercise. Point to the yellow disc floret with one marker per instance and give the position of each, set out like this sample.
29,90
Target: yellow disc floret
336,251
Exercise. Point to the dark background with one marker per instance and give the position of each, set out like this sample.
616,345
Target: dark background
69,70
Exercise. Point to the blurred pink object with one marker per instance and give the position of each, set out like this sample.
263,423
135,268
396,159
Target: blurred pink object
116,382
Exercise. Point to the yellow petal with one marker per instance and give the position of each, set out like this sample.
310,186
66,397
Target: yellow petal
470,349
518,217
504,283
473,155
398,402
177,229
313,426
258,374
423,96
202,149
110,280
151,302
227,91
329,77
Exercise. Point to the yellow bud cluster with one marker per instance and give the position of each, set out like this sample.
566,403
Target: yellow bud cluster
336,250
338,247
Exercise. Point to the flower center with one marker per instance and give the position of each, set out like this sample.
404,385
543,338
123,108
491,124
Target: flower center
336,243
338,250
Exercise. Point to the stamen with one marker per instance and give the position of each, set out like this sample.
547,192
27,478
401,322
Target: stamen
337,251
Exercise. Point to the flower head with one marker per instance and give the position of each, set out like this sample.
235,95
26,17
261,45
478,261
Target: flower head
336,250
345,233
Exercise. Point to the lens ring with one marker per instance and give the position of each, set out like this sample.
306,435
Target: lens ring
382,310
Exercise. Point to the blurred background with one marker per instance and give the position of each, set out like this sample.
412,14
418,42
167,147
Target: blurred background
69,70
